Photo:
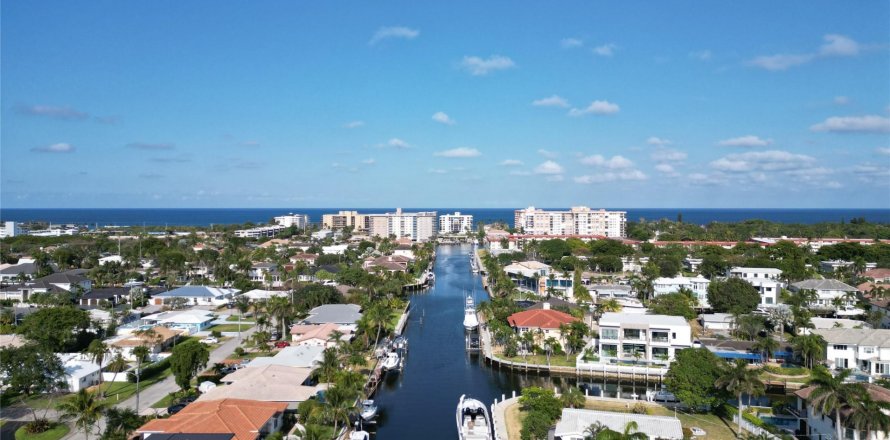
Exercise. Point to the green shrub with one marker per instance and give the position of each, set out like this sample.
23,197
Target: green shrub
149,371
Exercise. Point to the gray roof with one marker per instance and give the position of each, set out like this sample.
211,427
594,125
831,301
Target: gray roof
196,292
26,268
63,278
334,313
852,336
823,285
303,356
575,421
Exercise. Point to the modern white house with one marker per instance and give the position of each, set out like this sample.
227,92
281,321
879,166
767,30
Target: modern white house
698,285
456,223
631,337
817,425
573,424
754,273
528,274
193,320
716,321
828,292
864,350
197,295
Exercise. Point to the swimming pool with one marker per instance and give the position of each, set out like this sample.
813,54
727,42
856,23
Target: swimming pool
781,422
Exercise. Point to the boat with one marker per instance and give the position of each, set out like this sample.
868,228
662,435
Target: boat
359,435
400,343
368,410
392,361
471,321
473,421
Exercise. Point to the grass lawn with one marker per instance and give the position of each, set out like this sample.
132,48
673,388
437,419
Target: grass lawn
513,418
234,318
228,327
55,433
556,360
120,391
165,402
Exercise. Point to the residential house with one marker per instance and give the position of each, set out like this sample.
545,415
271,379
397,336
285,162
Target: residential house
264,295
831,295
755,273
112,295
23,292
765,279
832,266
698,285
387,263
610,291
80,371
335,249
319,334
70,280
881,275
817,425
865,350
544,322
156,339
309,259
716,321
404,250
648,338
192,320
573,424
197,295
267,383
246,419
528,274
343,314
266,274
18,272
301,356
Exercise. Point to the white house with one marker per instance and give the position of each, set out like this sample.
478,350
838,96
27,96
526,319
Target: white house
866,350
80,371
754,273
10,229
647,338
111,259
817,425
573,424
297,220
197,295
192,320
827,292
266,274
336,249
716,321
698,285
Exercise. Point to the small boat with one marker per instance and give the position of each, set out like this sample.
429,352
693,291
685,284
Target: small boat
368,410
471,321
400,343
359,435
392,362
473,421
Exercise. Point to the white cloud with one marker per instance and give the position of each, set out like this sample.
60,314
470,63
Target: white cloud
369,161
396,143
511,163
548,154
597,108
549,167
884,151
551,101
658,141
443,118
839,45
614,162
483,66
773,160
841,100
611,177
781,61
460,152
393,32
55,148
745,141
665,168
52,111
854,124
354,124
702,55
668,155
606,50
568,43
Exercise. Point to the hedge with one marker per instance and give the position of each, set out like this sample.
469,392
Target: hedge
149,371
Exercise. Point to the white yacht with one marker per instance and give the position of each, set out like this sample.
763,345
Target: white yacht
392,362
471,321
473,422
368,410
359,435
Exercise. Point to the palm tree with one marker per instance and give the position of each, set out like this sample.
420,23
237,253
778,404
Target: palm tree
329,365
767,346
594,430
280,308
378,317
550,345
97,351
808,347
832,393
85,408
738,379
121,421
630,433
242,303
573,398
338,406
869,415
140,352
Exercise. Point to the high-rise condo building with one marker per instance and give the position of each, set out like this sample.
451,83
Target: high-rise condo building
456,223
344,219
579,220
418,226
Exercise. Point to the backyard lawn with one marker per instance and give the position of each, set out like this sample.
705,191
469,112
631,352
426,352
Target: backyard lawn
55,433
540,359
229,327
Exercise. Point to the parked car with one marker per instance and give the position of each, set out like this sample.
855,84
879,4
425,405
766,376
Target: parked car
282,344
210,340
173,409
698,432
274,336
665,396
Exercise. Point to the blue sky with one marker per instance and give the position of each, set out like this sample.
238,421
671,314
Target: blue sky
475,104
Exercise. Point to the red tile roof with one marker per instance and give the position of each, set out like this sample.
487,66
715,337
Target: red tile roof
244,418
540,319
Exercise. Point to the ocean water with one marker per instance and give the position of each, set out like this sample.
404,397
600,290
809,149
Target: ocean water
210,216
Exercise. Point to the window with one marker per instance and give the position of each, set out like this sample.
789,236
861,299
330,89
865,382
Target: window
660,336
768,300
609,333
868,350
610,350
660,353
632,333
882,368
839,347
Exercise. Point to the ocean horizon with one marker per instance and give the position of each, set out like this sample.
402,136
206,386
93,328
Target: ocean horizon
219,216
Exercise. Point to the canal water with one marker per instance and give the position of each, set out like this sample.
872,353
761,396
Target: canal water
420,402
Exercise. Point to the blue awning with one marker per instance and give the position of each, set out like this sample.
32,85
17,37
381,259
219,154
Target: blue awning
737,355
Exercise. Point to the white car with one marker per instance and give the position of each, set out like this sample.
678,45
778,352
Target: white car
698,432
210,340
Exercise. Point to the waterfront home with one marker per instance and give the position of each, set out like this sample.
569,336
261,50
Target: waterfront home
192,320
319,334
155,339
598,291
528,275
197,295
301,356
864,350
544,322
309,259
731,349
764,279
879,276
817,425
716,321
264,295
698,285
266,274
831,295
80,371
573,424
387,264
267,383
342,314
246,419
630,337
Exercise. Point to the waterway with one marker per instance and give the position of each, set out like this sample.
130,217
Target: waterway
420,402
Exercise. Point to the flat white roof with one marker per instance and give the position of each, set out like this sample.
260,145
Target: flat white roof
574,422
613,318
298,356
756,270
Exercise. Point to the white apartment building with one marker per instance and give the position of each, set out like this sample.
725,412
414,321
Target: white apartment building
827,293
698,285
299,220
344,219
865,350
764,279
261,231
579,220
456,223
418,226
646,338
10,229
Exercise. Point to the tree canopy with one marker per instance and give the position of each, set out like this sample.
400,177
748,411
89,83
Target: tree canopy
58,329
692,376
733,295
186,361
